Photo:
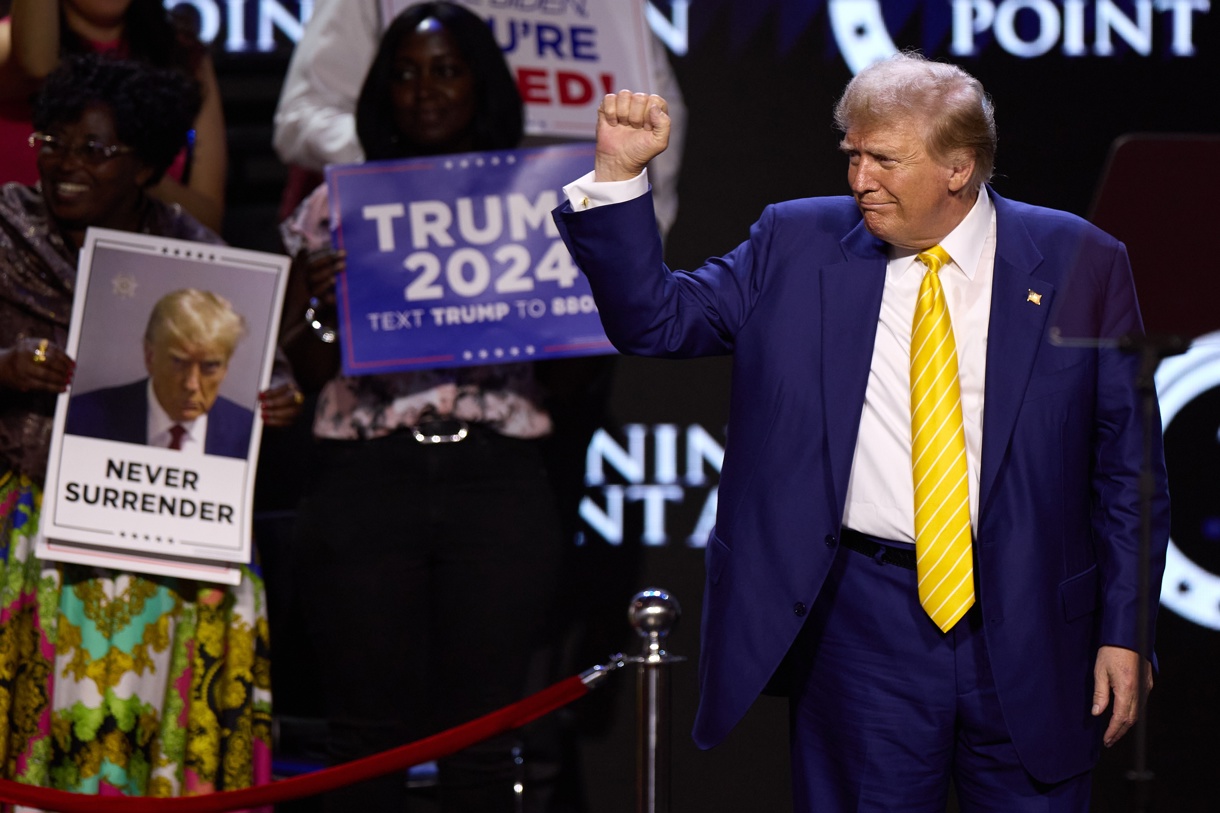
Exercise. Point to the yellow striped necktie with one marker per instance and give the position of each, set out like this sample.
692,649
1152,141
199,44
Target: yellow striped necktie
944,563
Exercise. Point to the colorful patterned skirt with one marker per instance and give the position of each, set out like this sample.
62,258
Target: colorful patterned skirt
113,683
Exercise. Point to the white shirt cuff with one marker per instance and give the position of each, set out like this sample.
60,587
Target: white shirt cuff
585,193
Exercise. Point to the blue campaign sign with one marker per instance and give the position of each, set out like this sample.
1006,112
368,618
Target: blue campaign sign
454,260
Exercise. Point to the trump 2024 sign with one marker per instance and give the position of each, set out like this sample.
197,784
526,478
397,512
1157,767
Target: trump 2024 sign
455,261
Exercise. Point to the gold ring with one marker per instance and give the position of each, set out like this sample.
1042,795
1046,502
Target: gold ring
298,397
40,352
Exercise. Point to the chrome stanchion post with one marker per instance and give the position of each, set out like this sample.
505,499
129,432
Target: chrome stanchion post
653,613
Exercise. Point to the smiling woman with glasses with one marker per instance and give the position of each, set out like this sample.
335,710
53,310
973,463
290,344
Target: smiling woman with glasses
99,668
38,34
106,132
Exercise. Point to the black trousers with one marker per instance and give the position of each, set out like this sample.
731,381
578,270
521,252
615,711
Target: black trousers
428,572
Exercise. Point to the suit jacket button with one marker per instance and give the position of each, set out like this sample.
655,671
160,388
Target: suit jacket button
830,540
799,609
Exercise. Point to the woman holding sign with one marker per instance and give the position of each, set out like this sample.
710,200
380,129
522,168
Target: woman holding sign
110,682
428,537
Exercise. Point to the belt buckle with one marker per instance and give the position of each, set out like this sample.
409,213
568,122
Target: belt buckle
444,431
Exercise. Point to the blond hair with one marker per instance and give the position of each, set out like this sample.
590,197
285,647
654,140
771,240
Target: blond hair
191,316
949,105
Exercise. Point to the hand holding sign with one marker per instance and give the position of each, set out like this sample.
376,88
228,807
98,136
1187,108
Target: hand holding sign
321,269
35,365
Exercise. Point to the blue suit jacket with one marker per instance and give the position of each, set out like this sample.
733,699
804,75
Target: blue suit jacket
797,305
121,413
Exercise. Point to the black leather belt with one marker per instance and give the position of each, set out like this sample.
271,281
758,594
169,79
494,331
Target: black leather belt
877,551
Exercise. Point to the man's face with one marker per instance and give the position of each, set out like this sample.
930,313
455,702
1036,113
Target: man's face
185,377
906,196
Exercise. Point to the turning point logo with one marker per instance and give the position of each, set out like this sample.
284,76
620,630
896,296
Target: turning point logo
1029,28
1189,390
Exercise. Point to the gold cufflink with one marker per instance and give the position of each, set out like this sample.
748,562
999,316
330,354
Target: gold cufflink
1034,297
584,202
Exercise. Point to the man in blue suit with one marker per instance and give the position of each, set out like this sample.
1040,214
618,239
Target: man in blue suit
188,343
1008,682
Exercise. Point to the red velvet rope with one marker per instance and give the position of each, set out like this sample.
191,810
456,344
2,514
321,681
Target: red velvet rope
397,759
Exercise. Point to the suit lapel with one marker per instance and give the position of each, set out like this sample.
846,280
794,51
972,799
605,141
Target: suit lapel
1016,330
851,303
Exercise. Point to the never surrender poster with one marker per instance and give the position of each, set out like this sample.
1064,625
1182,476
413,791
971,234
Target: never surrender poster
455,261
171,335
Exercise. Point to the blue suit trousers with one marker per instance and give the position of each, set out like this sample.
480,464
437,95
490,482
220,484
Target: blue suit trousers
888,710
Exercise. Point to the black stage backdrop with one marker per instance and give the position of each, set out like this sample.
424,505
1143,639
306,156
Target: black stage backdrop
1069,78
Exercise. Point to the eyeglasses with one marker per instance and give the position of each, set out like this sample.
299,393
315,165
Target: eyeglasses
91,152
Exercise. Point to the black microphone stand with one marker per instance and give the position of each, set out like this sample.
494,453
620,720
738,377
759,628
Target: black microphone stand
1151,350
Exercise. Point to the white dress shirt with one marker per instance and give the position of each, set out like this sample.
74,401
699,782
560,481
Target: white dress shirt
881,489
159,424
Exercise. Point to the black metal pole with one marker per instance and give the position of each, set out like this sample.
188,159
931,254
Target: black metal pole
1151,350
